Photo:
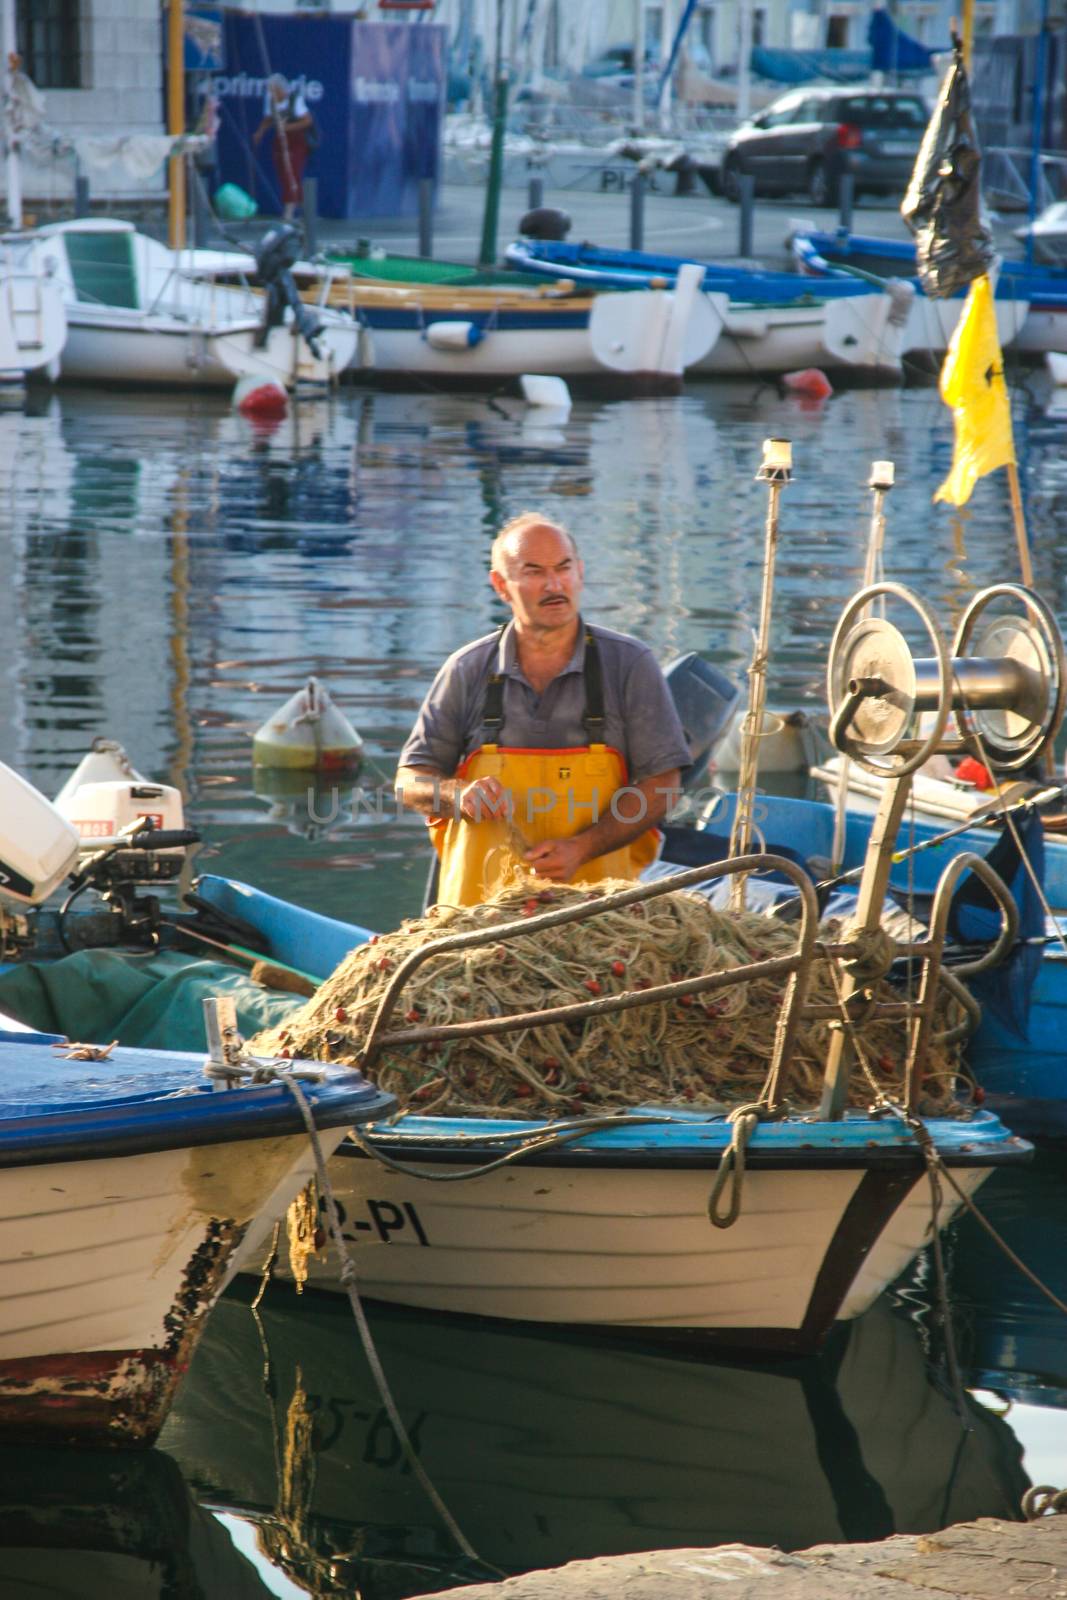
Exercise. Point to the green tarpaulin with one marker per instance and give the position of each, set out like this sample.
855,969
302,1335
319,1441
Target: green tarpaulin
153,1000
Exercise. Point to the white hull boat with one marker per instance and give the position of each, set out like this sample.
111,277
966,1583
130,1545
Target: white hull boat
642,342
862,336
113,346
130,1193
614,1232
33,316
138,312
931,323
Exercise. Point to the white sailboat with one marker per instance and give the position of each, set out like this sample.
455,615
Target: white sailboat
138,312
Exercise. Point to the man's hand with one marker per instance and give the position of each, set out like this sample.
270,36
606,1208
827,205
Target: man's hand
483,797
557,858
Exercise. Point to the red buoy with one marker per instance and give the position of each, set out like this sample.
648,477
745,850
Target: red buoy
810,382
261,397
976,772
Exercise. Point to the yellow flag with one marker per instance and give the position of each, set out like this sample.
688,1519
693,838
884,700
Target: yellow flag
972,383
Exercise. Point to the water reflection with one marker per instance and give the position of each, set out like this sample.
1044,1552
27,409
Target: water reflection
1013,1341
548,1449
85,1525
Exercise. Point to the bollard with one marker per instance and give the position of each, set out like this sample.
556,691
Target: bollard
535,194
426,218
846,193
637,211
746,185
81,196
311,215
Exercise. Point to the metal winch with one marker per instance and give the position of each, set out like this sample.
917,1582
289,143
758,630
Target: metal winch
998,694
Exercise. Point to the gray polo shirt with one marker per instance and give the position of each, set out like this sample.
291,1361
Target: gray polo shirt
639,716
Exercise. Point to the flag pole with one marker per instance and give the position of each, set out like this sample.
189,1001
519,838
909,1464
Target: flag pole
1018,515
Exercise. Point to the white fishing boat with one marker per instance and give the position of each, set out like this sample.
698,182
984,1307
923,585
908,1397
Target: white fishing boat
618,1221
859,338
140,313
133,1183
476,335
930,322
33,316
756,1226
772,322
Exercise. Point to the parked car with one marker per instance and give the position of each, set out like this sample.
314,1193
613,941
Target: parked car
809,138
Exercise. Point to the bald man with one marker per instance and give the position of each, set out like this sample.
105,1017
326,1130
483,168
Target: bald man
552,742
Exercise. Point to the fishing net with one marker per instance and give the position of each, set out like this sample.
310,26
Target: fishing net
699,1050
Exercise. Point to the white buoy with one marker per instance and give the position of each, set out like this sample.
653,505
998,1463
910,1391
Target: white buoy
538,389
308,732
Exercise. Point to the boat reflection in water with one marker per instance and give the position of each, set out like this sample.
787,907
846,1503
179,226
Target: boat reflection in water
548,1449
1012,1340
103,1525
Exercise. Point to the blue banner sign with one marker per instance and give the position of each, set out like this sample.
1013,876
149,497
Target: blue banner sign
375,92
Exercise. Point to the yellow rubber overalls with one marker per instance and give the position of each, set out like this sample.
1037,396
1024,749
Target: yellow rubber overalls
552,794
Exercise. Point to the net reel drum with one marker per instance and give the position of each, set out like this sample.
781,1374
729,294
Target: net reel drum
1001,689
999,695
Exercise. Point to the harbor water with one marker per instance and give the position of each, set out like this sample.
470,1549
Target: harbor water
170,575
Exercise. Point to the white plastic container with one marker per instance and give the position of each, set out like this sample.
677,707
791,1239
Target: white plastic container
38,846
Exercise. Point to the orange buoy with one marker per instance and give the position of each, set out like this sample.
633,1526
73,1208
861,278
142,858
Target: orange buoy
810,382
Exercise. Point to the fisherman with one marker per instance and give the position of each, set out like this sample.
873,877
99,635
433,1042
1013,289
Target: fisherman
551,740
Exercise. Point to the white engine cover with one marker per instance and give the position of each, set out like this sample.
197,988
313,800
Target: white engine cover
38,846
99,811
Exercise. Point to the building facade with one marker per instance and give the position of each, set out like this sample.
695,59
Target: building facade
99,65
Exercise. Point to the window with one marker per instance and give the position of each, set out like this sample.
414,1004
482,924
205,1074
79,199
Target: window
886,111
780,114
759,25
48,38
837,30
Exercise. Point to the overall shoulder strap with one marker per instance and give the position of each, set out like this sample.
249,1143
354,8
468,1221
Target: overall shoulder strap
493,704
593,720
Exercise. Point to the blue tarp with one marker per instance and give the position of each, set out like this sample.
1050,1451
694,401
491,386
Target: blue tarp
893,50
803,66
375,89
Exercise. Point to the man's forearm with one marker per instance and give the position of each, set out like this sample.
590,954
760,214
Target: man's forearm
429,793
634,810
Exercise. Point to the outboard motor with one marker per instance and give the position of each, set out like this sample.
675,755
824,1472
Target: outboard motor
276,254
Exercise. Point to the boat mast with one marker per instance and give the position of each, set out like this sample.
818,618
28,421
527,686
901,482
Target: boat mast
1036,129
176,119
9,50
